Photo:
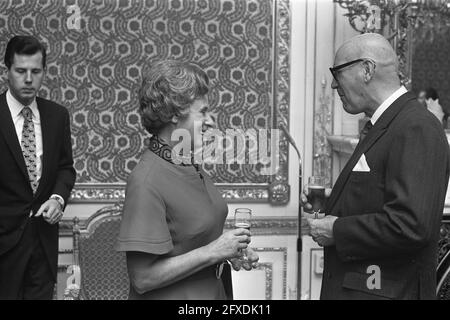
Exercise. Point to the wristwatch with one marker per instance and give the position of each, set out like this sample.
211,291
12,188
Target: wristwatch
59,199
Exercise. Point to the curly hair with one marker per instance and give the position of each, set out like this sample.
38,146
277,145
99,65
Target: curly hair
168,89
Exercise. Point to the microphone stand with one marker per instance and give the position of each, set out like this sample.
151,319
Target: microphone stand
299,239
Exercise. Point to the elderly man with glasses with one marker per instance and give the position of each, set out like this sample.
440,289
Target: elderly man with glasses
382,220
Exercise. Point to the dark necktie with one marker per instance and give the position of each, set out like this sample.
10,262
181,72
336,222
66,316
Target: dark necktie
365,130
29,147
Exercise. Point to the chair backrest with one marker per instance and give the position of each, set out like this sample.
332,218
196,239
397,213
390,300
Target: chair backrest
443,277
103,270
443,269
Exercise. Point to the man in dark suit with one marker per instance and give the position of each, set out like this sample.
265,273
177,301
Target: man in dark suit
381,227
36,175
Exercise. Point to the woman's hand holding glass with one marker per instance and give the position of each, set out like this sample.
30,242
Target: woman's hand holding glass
249,259
229,245
250,263
233,245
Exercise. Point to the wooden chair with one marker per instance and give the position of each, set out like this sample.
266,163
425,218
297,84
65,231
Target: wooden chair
99,272
443,269
443,276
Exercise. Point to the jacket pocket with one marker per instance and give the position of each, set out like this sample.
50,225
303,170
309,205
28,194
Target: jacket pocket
362,194
358,176
357,281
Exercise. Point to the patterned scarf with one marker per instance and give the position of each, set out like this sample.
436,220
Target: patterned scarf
163,150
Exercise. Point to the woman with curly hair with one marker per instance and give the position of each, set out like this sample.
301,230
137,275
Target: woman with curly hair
173,219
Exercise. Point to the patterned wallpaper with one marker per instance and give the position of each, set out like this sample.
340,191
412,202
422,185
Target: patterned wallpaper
431,68
95,71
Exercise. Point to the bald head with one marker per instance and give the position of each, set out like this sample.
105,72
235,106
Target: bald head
369,45
372,77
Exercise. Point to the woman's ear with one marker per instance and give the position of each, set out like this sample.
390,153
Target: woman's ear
174,119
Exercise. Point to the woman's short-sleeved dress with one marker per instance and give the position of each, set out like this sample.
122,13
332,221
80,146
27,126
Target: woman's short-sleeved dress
170,210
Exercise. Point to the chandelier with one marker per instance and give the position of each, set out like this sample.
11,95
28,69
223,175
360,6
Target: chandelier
427,18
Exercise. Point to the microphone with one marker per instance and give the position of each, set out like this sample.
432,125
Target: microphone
299,239
290,140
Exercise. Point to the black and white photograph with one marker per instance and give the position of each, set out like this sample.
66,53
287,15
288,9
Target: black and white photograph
235,152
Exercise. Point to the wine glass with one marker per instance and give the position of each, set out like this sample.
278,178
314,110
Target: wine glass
242,219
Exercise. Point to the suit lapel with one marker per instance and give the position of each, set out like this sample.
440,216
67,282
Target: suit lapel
9,132
374,134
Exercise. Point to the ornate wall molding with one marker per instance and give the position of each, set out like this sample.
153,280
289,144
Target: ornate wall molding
269,276
270,226
279,189
267,267
85,193
400,31
323,126
95,193
260,226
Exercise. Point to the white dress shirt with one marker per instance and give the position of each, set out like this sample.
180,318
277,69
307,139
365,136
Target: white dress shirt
387,103
362,165
15,108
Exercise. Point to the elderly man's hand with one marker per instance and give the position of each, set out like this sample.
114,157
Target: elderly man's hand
321,230
307,207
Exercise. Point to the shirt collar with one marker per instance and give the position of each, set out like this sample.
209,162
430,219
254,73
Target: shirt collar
16,107
382,108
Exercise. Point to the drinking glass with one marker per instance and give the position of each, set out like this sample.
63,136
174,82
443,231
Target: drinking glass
242,219
316,194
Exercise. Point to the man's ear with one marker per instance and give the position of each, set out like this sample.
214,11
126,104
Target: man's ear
369,70
4,70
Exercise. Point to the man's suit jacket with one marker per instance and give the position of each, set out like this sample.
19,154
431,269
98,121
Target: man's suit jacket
58,176
390,217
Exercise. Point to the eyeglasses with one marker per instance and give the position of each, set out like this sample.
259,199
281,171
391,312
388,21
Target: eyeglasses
341,66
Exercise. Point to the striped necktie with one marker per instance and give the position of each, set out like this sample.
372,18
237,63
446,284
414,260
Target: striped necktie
28,142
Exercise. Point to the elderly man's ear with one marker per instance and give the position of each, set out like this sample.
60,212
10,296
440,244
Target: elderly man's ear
369,70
